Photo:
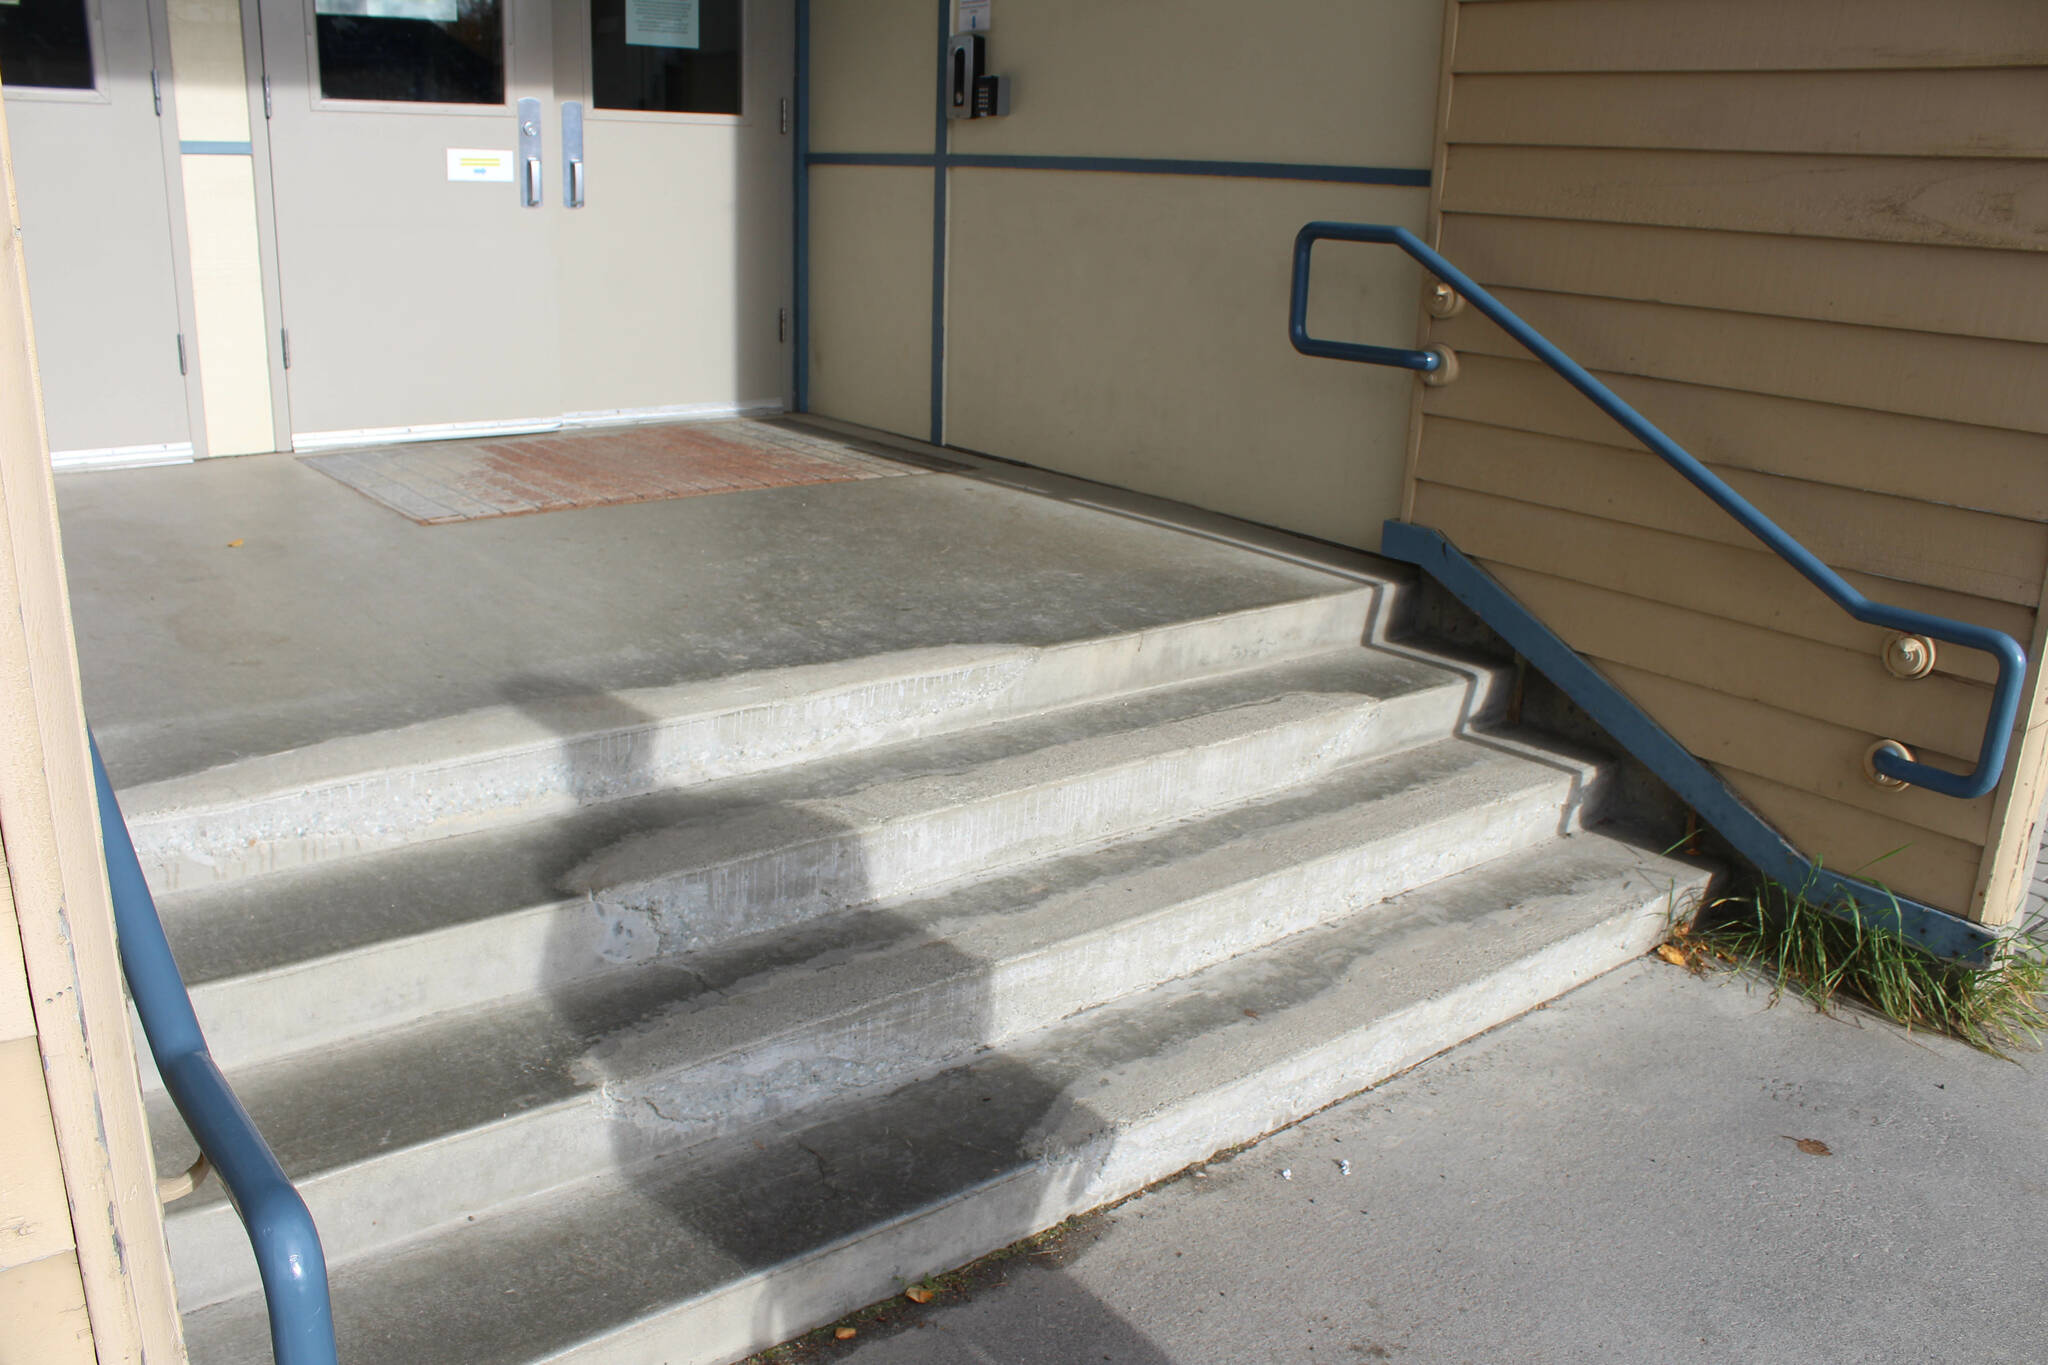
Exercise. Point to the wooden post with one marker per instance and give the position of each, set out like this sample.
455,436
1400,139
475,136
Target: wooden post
49,828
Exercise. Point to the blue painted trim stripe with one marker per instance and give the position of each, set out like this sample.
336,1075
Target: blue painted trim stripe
216,149
938,374
1140,165
1696,784
870,159
800,214
1241,170
941,160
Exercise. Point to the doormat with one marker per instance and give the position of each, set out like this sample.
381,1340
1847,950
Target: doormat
510,476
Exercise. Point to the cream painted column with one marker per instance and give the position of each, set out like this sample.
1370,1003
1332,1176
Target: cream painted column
210,85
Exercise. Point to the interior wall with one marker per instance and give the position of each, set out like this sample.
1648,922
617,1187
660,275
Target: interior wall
1807,243
1113,256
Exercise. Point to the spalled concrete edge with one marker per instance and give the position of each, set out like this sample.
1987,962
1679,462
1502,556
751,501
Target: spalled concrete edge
773,1305
371,792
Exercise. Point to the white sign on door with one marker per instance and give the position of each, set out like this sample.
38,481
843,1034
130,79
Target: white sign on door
662,23
974,16
479,163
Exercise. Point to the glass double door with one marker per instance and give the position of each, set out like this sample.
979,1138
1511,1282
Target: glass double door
447,261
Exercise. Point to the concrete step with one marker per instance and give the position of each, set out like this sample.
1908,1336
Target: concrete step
449,1119
364,793
312,957
702,1256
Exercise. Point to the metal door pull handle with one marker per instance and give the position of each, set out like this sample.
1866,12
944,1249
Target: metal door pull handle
529,151
572,153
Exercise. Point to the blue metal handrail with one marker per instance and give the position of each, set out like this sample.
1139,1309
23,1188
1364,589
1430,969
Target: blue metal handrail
280,1228
2012,660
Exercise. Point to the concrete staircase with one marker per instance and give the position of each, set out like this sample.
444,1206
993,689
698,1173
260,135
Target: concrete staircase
662,1026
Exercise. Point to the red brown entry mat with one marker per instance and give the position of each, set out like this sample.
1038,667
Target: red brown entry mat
507,476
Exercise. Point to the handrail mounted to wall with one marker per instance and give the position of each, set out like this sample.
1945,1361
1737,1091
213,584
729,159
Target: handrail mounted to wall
280,1228
1888,758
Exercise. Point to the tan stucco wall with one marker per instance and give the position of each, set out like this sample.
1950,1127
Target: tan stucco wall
1131,328
1807,242
871,291
1126,327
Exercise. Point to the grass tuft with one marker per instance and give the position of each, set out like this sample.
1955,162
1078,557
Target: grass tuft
1828,956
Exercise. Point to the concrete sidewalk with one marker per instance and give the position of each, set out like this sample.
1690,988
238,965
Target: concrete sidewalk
1614,1178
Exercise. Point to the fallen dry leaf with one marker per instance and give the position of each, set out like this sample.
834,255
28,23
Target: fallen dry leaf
1673,954
1810,1146
845,1333
918,1294
234,545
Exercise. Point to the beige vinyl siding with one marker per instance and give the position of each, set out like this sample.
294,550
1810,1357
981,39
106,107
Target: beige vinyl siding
42,1294
1854,113
1979,201
1808,243
1751,35
1986,468
1874,284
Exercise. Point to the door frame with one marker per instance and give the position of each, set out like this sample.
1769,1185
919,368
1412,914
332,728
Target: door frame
174,203
256,77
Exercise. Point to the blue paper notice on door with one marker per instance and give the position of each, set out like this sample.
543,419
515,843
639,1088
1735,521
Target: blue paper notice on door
662,23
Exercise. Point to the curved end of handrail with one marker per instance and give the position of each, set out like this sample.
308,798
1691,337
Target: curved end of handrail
1984,775
293,1268
1979,781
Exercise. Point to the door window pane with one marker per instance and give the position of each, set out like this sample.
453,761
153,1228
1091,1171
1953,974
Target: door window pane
423,51
44,42
670,56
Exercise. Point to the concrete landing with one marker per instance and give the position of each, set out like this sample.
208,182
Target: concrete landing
248,606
